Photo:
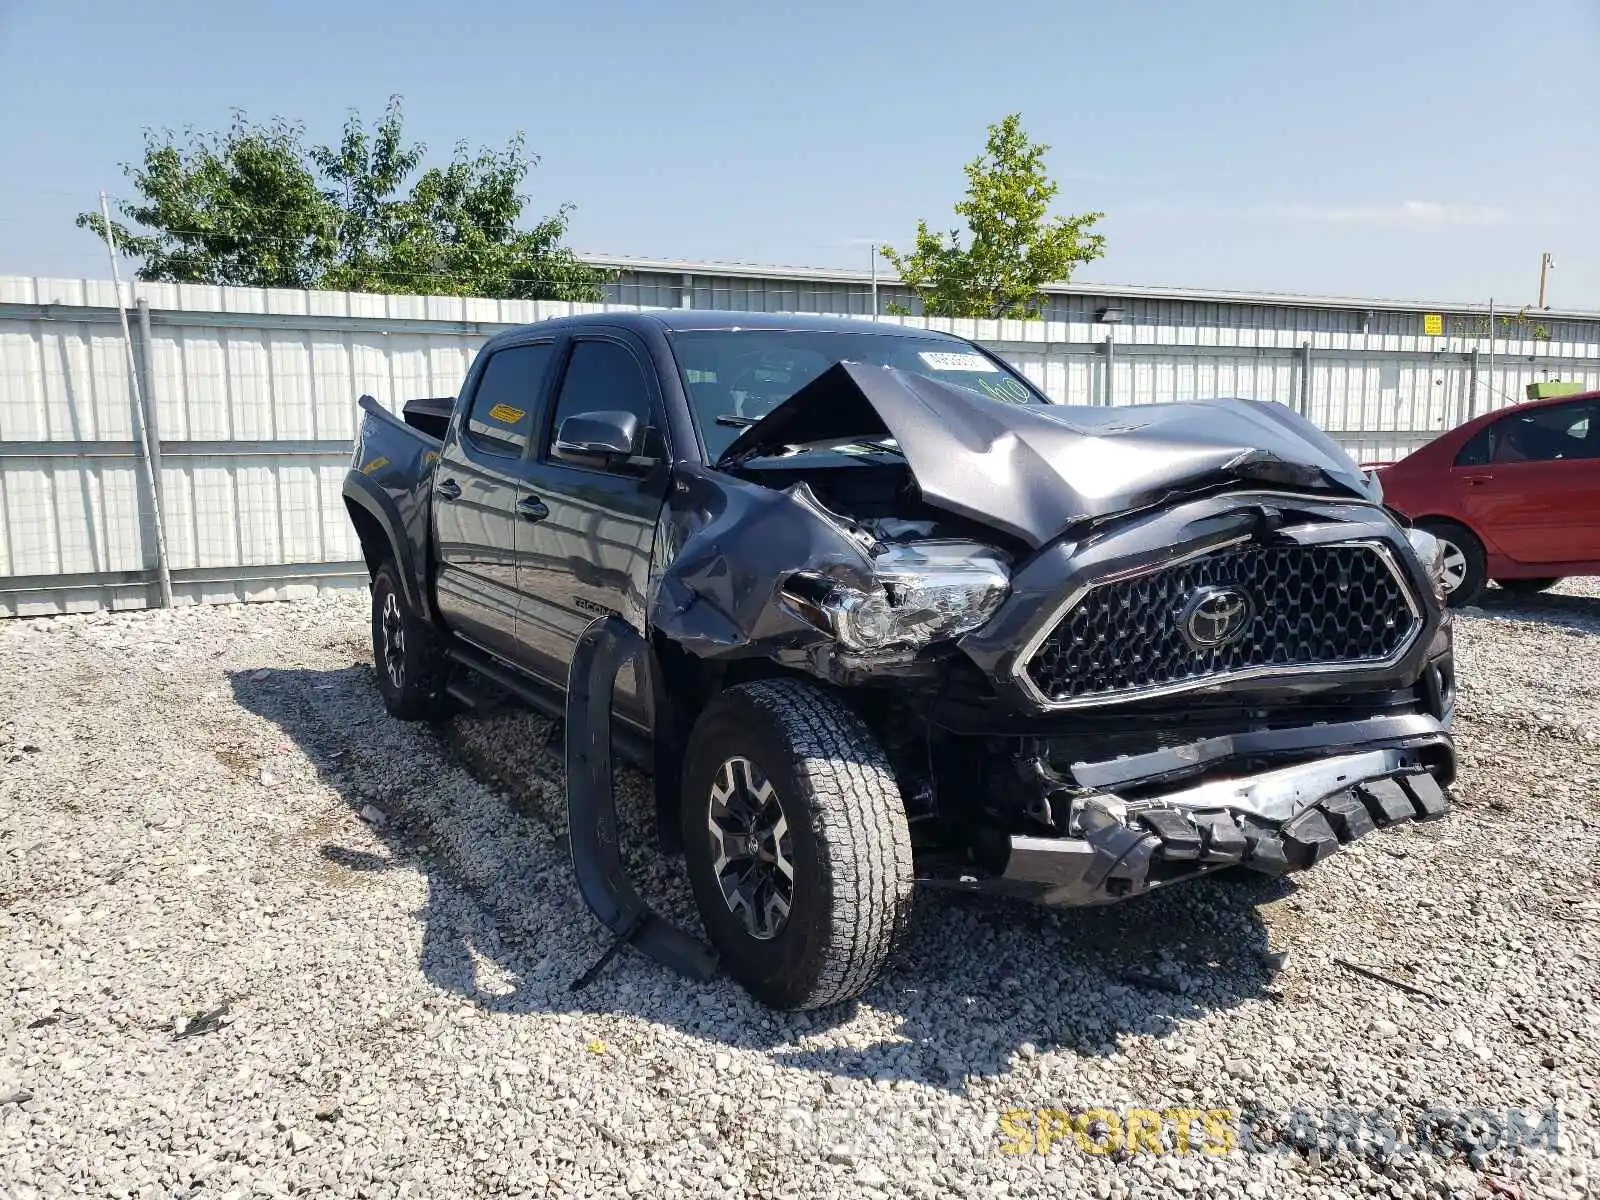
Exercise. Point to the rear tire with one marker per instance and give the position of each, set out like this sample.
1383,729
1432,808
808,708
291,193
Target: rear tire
1526,587
796,842
1466,565
406,655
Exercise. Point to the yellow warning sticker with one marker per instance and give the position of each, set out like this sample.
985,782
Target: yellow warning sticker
505,414
1433,324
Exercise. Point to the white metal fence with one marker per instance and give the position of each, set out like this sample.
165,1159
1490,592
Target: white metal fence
254,394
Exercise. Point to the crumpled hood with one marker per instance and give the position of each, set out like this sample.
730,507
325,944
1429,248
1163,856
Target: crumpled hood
1033,470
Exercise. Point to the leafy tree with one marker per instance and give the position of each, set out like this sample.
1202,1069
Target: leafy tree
365,173
256,207
235,208
1013,248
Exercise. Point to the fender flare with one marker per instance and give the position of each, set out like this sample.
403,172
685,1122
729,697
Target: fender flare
605,647
361,491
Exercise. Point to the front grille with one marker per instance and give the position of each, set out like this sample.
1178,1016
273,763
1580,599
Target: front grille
1303,606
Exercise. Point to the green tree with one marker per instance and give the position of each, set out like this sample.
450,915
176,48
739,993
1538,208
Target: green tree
1012,249
235,208
256,207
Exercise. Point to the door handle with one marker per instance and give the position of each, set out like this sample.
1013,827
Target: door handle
449,489
1477,480
532,508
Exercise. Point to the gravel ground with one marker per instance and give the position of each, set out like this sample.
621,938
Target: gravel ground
257,939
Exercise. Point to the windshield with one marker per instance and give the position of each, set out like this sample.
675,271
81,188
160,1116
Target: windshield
734,377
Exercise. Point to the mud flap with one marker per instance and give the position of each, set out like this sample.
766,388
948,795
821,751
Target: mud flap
605,647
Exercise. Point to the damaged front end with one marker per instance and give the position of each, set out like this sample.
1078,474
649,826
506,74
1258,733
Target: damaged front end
1274,821
1105,650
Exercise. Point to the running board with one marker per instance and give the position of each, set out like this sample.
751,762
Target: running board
632,745
528,691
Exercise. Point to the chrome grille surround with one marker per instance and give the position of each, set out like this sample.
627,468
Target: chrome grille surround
1117,638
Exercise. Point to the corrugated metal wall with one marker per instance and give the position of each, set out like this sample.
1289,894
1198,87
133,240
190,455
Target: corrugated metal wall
255,394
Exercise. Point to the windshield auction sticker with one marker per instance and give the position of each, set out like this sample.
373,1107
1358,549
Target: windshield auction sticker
945,360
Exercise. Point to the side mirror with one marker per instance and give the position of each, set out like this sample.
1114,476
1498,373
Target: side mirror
597,439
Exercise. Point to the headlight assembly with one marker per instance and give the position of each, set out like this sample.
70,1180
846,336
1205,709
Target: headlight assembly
923,592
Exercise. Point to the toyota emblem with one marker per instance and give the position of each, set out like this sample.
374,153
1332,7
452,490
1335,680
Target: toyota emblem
1214,616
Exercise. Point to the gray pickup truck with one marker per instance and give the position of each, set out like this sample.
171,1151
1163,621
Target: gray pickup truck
874,611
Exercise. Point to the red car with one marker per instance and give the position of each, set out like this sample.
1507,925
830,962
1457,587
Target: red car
1513,494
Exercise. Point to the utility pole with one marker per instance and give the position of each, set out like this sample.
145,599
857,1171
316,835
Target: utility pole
1547,263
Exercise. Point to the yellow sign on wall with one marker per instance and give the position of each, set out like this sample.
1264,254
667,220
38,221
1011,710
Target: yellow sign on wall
1433,324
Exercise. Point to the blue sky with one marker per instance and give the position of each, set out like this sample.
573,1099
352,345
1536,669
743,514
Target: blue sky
1421,149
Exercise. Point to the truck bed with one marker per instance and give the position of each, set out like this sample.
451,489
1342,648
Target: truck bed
391,476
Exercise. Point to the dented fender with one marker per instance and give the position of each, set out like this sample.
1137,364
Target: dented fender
724,549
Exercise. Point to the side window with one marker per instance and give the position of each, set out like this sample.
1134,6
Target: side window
1561,432
1476,452
604,377
506,402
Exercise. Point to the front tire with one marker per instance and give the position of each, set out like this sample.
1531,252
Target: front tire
1466,566
410,666
796,842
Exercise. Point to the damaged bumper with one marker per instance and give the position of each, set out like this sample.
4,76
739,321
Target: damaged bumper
1274,821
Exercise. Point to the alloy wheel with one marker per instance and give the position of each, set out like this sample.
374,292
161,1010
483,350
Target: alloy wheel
394,641
1455,566
752,850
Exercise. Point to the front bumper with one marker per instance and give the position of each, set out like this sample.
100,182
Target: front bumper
1274,821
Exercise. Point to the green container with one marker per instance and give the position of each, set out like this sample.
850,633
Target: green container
1553,387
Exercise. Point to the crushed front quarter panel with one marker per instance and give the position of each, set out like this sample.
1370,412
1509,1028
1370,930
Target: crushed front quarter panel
723,551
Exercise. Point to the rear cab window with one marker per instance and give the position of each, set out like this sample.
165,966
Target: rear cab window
506,403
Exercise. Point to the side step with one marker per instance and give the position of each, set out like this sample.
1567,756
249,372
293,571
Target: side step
632,745
473,699
524,689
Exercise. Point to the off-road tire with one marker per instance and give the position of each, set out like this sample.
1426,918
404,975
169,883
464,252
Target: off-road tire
1476,577
418,692
1526,587
852,882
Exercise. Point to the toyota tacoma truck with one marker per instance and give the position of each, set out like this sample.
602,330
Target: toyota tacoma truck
873,611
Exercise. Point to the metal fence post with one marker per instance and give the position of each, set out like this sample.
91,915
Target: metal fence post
1303,392
1111,359
1490,379
150,413
141,412
1469,401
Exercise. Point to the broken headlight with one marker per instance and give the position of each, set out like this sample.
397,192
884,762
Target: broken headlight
1430,553
923,592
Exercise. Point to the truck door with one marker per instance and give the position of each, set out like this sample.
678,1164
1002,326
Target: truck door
585,544
475,491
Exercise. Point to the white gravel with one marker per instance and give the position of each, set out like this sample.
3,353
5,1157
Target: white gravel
257,939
